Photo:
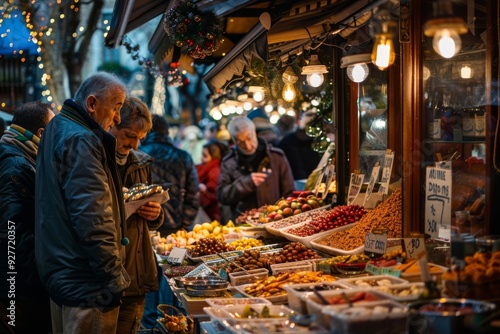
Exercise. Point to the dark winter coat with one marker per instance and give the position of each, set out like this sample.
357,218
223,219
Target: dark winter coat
140,261
17,223
299,152
79,211
174,169
237,190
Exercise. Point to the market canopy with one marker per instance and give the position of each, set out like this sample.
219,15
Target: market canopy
15,36
257,28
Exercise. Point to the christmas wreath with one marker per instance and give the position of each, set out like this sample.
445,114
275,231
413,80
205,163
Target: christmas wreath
197,33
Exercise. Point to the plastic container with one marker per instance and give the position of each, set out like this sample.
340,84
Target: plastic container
383,317
277,299
275,312
223,302
402,292
291,267
247,277
296,291
372,281
314,306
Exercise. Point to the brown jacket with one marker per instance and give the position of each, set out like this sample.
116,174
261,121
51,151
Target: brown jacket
140,262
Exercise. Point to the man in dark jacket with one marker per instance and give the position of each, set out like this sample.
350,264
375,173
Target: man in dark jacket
174,169
134,167
80,208
253,174
27,305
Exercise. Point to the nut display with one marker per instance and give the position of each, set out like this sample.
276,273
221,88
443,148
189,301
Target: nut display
207,246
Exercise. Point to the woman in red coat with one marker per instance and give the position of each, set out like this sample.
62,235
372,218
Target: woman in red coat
208,175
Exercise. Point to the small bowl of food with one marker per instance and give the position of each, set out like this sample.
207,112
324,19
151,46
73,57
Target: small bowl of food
350,268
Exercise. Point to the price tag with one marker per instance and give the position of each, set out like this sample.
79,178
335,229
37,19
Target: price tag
413,246
373,269
376,242
386,173
177,255
391,272
201,271
354,187
438,191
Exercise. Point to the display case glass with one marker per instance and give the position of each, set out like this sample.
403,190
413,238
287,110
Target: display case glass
454,116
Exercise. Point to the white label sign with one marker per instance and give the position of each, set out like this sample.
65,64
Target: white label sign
354,187
386,174
375,243
437,200
413,247
177,255
371,183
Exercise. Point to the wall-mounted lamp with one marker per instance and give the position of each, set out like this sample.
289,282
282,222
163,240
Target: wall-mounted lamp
466,72
445,30
289,78
357,70
259,93
314,71
383,54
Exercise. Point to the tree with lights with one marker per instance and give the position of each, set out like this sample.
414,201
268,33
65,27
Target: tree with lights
63,30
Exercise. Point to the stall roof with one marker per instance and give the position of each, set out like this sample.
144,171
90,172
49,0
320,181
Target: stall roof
291,26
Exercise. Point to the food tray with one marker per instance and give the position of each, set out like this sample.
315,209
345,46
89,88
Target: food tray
205,293
276,312
292,267
222,302
296,291
307,240
352,320
392,280
271,227
280,299
247,277
390,289
331,250
314,307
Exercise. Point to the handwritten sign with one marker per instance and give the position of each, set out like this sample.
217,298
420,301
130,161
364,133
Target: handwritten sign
386,173
177,255
413,246
437,200
371,183
355,185
376,242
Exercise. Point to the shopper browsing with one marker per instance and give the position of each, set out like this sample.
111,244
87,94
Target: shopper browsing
80,209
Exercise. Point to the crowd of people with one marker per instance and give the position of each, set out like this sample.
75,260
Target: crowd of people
83,264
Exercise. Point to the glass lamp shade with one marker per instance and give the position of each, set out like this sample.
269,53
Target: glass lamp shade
258,96
383,51
466,72
358,72
315,79
446,42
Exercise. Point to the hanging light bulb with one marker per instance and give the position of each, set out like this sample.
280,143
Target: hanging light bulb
357,70
289,78
383,54
445,30
258,93
314,71
466,72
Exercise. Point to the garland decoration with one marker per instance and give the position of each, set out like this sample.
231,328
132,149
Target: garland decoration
197,33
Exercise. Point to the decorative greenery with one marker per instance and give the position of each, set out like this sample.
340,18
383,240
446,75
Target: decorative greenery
197,33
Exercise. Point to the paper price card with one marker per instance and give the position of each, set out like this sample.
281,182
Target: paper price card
437,200
354,187
371,183
177,255
386,173
413,246
376,242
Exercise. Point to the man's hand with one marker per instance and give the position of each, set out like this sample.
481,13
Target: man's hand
150,211
258,178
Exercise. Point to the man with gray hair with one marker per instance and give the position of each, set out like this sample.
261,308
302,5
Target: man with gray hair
80,210
254,173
